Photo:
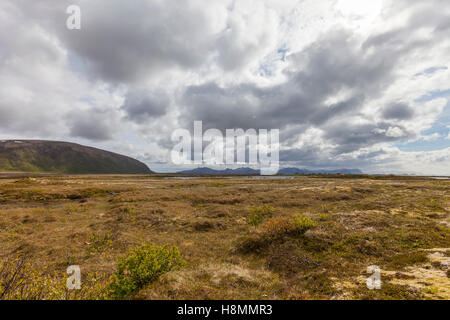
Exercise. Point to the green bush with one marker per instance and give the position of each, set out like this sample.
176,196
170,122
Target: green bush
20,280
259,214
302,223
143,265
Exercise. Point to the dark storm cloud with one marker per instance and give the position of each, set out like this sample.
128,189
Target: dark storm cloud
349,137
97,125
222,107
141,106
127,41
121,41
329,66
305,154
313,157
332,64
399,111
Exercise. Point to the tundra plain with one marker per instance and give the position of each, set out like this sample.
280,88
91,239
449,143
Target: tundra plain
234,235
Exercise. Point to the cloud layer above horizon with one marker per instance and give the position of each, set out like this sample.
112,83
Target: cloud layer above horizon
349,83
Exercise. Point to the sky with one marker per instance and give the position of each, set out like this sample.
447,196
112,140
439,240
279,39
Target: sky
349,83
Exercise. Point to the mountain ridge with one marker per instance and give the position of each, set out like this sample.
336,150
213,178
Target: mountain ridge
65,158
282,171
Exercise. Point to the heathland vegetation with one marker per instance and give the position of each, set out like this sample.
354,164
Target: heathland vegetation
148,237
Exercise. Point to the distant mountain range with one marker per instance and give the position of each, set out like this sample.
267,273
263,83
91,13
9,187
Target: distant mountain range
282,171
64,157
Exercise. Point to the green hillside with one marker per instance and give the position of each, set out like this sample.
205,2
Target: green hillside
64,157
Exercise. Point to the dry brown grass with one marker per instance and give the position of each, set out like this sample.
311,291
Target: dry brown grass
57,221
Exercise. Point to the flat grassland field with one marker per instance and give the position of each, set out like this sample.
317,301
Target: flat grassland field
225,238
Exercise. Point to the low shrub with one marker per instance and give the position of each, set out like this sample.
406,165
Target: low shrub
143,265
302,223
99,242
259,214
276,228
20,281
279,227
